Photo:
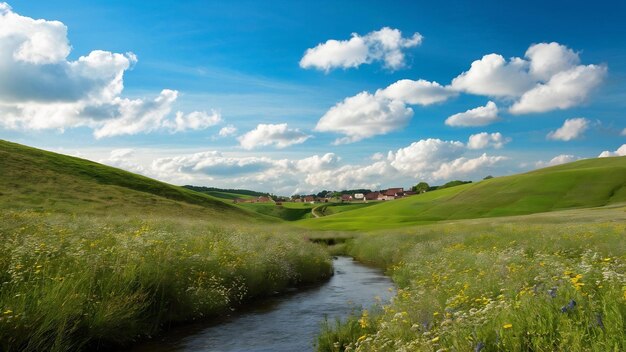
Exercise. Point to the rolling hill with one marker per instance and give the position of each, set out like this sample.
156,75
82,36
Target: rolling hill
582,184
46,181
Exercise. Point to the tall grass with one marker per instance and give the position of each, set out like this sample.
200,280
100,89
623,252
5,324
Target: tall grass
82,282
494,287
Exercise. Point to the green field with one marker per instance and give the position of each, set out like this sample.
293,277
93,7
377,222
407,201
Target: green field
96,257
582,184
544,282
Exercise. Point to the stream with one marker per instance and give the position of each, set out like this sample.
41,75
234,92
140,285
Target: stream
288,322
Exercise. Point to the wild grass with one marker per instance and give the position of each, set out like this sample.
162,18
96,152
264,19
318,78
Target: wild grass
79,282
495,286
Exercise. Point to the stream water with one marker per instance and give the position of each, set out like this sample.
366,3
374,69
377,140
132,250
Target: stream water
288,322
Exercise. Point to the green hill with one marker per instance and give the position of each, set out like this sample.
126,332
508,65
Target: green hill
581,184
42,180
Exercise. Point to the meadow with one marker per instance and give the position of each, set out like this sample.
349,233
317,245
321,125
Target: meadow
552,282
72,282
93,257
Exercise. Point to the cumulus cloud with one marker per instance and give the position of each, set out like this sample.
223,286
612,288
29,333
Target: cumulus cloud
420,92
571,129
197,120
621,151
364,115
228,130
550,77
279,135
123,158
317,163
463,166
423,157
429,159
564,90
557,160
494,76
480,116
386,45
485,140
42,89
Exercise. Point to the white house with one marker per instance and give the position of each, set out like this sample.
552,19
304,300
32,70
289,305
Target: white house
359,196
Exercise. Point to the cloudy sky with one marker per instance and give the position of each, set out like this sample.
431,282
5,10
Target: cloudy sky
295,97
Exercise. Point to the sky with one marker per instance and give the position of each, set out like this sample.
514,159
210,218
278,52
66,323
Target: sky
299,97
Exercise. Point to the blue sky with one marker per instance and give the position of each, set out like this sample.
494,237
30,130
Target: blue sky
239,64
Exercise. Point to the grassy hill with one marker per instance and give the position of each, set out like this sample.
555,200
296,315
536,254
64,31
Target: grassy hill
94,257
42,180
581,184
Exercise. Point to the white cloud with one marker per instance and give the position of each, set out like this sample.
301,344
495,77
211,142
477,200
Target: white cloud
484,140
621,151
549,78
228,130
424,156
557,160
420,92
494,76
122,158
548,59
564,90
364,115
480,116
386,45
266,134
463,167
571,129
197,120
317,163
42,89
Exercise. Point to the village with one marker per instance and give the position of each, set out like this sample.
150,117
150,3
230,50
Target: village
328,197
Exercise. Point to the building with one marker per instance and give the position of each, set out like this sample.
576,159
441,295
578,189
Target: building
264,199
309,199
346,197
372,196
358,196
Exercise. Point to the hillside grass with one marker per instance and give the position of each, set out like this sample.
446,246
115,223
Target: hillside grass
92,257
228,195
288,211
581,184
546,282
41,180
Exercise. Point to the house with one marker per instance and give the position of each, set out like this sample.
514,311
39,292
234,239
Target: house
410,193
309,199
392,193
263,199
346,197
359,196
372,196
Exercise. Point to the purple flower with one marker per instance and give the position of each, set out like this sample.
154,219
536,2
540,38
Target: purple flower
479,346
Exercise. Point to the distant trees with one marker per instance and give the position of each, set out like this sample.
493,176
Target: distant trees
454,183
487,177
421,187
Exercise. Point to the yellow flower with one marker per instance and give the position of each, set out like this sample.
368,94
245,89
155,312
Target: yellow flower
507,326
435,339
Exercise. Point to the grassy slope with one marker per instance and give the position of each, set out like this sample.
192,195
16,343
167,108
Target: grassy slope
41,180
228,195
93,256
287,211
586,183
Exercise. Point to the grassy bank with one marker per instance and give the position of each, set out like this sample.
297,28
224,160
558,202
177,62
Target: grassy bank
533,284
78,282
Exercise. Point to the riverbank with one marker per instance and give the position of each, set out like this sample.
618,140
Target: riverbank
288,322
72,282
535,283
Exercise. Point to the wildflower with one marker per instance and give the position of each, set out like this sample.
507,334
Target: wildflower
435,339
571,304
479,346
552,292
599,321
507,326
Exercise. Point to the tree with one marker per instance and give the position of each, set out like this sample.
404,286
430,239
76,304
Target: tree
421,187
487,177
